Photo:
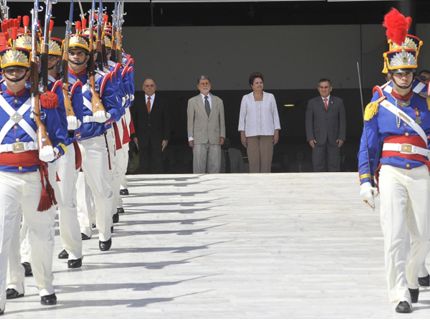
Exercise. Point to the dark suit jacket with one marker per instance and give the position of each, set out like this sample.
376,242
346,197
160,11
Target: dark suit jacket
154,127
325,126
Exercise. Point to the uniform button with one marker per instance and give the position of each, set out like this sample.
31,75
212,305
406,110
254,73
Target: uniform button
407,134
15,127
408,165
20,168
16,100
17,139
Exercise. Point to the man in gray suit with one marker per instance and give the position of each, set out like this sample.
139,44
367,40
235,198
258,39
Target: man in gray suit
325,128
206,128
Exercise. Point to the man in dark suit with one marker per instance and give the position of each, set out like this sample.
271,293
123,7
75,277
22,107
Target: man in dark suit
325,128
152,129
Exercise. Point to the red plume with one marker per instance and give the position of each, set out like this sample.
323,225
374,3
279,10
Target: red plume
26,21
397,26
51,25
84,23
78,26
19,20
14,33
105,18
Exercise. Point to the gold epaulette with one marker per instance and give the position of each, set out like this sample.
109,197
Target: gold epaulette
428,102
372,109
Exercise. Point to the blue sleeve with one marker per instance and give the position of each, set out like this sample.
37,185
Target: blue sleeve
112,101
55,128
370,149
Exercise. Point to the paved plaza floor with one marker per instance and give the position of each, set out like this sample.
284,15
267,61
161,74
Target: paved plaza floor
291,245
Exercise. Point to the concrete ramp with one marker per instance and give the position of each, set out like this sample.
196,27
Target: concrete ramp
291,245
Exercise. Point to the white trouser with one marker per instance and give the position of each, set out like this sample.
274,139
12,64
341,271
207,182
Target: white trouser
121,168
114,179
86,207
98,176
20,193
404,217
70,232
25,244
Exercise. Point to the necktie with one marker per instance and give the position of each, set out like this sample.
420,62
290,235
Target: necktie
325,103
148,105
207,106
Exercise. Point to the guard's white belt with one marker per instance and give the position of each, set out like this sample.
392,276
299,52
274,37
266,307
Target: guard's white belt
18,147
406,148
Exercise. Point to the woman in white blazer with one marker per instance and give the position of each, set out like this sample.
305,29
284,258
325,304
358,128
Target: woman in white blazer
259,125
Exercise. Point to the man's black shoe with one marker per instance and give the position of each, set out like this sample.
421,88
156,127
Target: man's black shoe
84,236
414,295
123,192
403,307
63,255
424,281
115,218
105,245
13,294
48,300
1,312
120,210
74,263
27,269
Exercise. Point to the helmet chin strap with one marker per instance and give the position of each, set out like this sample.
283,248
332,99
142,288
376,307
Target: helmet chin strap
403,87
77,63
15,80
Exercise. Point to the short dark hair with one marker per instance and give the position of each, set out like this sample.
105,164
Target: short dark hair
203,77
253,76
424,71
324,80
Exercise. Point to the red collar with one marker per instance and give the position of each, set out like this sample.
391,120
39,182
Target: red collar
400,97
18,94
83,72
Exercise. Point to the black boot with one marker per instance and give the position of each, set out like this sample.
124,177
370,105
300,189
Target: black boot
74,263
120,210
84,236
105,245
424,281
63,255
115,218
13,294
414,295
123,192
48,300
27,269
403,307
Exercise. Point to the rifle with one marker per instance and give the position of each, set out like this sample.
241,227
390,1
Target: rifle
45,47
96,102
117,21
65,64
42,136
4,10
100,46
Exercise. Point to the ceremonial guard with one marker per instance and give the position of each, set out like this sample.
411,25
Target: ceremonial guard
28,134
101,107
394,161
70,109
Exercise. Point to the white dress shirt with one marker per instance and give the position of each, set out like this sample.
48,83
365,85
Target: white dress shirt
259,118
209,99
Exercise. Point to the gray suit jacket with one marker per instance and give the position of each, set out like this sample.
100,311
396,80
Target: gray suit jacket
202,128
325,126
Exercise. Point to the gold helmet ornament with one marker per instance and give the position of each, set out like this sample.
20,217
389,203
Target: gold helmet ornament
77,40
14,57
404,48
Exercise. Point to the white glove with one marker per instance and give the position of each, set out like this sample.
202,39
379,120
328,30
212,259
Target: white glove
101,116
368,194
47,154
72,123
